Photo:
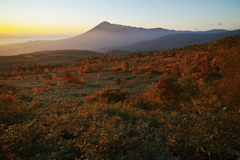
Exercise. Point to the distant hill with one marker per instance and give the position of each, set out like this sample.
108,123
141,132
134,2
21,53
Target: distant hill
117,52
44,57
103,35
175,41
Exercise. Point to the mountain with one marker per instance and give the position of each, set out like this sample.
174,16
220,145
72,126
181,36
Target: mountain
174,41
103,35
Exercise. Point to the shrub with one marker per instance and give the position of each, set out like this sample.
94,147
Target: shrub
88,68
15,72
46,71
19,78
129,83
97,67
75,80
79,86
168,89
54,76
7,85
40,77
4,77
27,72
6,73
164,95
22,72
175,69
135,71
49,88
125,66
206,67
117,81
60,84
151,72
11,110
67,75
229,86
37,71
108,95
35,90
47,81
24,96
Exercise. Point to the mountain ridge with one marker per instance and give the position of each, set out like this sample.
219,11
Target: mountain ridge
174,41
104,34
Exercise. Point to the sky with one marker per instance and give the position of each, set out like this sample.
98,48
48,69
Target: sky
79,16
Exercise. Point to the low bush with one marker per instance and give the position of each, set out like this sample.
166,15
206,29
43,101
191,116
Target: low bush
151,72
75,80
108,95
11,110
168,90
125,66
117,81
164,95
88,68
60,84
67,75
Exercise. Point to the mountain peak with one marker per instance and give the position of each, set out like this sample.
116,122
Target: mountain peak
105,23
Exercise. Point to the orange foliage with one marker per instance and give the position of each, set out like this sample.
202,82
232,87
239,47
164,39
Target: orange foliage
125,66
168,89
47,81
88,68
108,95
67,75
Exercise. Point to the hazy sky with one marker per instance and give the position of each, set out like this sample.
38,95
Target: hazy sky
78,16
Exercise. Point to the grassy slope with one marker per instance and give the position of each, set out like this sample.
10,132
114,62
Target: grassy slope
44,120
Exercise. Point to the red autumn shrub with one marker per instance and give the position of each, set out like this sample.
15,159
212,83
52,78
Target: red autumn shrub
229,86
4,78
47,81
67,75
165,95
125,66
88,68
108,95
75,80
151,72
206,67
117,81
168,89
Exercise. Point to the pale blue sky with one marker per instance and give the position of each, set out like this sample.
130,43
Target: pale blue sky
78,16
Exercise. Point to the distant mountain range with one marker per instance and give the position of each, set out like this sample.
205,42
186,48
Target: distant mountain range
105,37
173,41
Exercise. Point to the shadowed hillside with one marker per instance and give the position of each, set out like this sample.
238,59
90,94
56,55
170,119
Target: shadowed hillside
174,41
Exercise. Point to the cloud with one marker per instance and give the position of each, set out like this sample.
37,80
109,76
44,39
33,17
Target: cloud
219,24
209,24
